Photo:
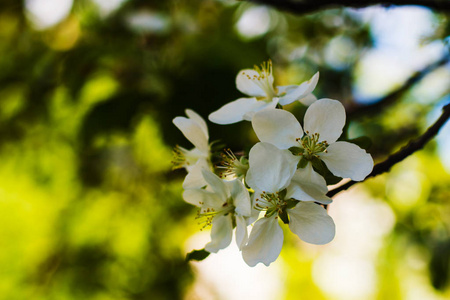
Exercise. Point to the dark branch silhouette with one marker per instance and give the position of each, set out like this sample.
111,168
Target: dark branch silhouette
355,110
400,155
304,7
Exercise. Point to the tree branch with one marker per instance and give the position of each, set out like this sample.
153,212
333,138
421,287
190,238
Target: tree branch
358,109
400,155
304,7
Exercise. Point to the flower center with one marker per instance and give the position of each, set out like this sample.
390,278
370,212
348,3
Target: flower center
183,158
271,203
206,214
264,80
179,158
233,167
311,145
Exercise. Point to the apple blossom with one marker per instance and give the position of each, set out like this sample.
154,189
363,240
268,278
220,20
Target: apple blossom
194,128
223,204
282,191
258,84
323,124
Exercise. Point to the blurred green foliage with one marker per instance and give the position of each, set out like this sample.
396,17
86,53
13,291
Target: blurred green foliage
89,206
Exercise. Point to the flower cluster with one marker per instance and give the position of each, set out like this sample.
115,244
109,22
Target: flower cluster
284,177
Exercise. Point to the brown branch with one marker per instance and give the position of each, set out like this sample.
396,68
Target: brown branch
379,104
304,7
400,155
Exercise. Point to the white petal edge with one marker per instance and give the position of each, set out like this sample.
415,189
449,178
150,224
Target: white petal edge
198,119
255,214
311,223
221,233
308,185
202,198
241,232
193,132
271,169
194,178
241,197
262,105
234,111
348,160
278,127
301,91
265,242
245,83
326,117
308,100
216,184
281,89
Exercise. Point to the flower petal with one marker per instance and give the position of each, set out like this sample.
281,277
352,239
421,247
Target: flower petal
326,117
241,232
278,127
271,169
202,198
235,111
191,157
281,89
216,184
246,82
308,99
300,92
199,120
348,160
265,242
194,178
193,132
241,197
255,213
221,233
308,185
194,196
311,223
262,105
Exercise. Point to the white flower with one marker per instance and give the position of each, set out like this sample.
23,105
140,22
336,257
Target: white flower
323,124
277,183
258,84
194,128
222,204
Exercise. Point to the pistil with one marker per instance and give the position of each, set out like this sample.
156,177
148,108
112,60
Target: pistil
311,145
271,203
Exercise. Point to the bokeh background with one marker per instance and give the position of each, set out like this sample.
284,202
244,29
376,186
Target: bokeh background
90,207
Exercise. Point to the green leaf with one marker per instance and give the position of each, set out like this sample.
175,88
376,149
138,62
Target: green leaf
284,216
302,163
291,203
320,167
363,141
197,255
296,150
331,179
282,193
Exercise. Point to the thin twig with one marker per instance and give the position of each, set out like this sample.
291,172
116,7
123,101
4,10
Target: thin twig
304,7
400,155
